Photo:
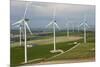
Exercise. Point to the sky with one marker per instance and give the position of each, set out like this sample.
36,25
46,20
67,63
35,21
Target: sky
40,14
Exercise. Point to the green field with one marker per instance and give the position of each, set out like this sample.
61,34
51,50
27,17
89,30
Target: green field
42,52
83,51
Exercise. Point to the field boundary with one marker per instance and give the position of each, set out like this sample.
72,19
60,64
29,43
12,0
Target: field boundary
64,52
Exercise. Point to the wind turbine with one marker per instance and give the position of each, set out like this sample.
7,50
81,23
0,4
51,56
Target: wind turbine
54,25
67,25
24,22
73,27
78,28
84,24
20,32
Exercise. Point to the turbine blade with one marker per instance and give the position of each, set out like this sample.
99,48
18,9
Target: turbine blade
86,24
49,24
18,22
28,27
81,24
17,26
56,25
26,8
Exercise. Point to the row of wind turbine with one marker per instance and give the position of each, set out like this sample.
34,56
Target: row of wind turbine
24,23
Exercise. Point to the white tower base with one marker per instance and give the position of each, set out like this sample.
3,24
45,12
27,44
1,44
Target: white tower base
56,51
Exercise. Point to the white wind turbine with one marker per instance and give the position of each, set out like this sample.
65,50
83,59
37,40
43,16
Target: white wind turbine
24,22
73,27
20,32
78,28
85,25
54,25
67,25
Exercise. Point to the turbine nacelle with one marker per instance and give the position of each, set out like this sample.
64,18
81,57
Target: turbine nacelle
52,23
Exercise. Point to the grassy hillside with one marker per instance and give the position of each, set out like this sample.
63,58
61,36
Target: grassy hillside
40,51
43,51
83,51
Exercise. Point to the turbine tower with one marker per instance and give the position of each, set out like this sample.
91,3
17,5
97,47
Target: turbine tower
54,25
24,21
73,27
85,25
67,25
20,32
78,28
